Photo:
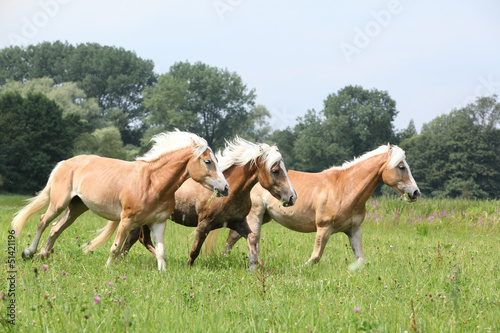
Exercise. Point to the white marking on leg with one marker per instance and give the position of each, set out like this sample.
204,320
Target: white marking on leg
158,230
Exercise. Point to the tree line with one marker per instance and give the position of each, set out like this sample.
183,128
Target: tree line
58,100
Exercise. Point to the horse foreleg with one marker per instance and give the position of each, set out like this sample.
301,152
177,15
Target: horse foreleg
322,236
158,230
355,238
145,239
122,233
201,234
141,234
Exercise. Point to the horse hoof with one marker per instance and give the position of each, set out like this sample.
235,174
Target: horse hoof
26,254
355,266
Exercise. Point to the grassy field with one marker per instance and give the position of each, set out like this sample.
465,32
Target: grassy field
432,266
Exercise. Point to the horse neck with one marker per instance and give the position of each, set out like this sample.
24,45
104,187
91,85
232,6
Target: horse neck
362,179
169,171
241,179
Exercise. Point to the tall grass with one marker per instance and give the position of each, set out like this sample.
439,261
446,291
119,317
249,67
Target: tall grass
432,266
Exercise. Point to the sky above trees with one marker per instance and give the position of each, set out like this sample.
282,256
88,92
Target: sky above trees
429,56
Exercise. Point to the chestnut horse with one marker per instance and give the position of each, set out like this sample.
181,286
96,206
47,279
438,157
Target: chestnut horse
244,164
129,194
333,200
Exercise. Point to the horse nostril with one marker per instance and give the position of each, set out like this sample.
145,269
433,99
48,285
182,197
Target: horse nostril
416,193
226,190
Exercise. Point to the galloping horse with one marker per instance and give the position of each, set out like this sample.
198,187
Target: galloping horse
129,194
244,164
333,200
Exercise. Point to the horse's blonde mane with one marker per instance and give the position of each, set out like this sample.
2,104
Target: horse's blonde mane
397,155
171,141
240,152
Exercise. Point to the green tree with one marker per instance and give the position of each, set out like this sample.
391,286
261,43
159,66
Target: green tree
70,98
257,128
33,138
408,132
457,154
106,142
316,148
364,117
353,121
168,103
285,140
114,76
209,101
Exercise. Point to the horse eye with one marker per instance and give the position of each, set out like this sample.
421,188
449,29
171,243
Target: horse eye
208,162
401,166
275,171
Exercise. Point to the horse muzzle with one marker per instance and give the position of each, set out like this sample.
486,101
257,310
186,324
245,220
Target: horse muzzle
224,192
413,194
290,201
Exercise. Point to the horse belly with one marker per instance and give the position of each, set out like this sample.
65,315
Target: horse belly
99,185
293,219
108,209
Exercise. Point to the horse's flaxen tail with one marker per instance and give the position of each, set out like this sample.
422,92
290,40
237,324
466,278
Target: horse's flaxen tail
209,244
35,205
210,241
105,234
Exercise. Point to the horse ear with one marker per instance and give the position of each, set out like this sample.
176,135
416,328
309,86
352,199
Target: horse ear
193,143
389,146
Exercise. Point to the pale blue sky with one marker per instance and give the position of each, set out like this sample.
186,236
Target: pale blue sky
431,56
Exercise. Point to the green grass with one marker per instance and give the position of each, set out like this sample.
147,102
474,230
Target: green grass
440,255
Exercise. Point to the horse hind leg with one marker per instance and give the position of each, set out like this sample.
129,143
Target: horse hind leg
52,212
75,208
244,230
232,238
255,218
124,228
355,238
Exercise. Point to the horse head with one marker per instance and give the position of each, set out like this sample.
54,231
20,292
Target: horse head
273,175
397,174
204,168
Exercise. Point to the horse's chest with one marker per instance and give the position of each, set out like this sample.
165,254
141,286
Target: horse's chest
353,221
156,210
234,210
